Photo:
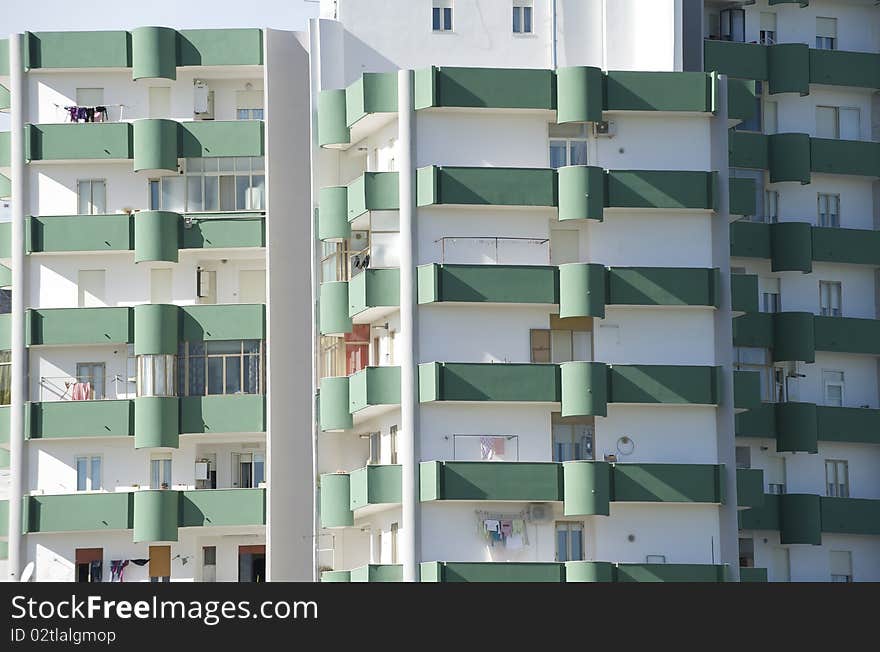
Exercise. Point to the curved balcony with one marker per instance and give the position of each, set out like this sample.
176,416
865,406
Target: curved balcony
156,515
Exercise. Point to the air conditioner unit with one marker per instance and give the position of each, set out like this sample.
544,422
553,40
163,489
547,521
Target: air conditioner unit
603,129
540,512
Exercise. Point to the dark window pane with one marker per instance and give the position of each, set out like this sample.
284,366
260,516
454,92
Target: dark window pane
447,18
527,20
233,375
251,374
251,346
215,375
224,346
197,376
436,17
197,348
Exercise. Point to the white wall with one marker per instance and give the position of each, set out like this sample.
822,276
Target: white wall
657,335
799,203
630,238
812,563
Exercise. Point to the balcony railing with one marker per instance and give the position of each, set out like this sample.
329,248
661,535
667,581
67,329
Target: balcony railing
494,251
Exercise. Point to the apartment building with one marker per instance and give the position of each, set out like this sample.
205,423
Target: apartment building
807,144
150,193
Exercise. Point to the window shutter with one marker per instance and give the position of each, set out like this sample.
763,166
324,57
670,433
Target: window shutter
826,27
768,22
841,562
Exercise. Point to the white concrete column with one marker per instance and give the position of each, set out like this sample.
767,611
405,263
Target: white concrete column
17,466
408,452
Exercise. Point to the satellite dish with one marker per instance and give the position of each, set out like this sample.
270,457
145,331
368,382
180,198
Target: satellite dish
625,445
27,572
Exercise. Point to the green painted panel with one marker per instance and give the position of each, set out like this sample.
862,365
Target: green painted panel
663,384
860,425
752,574
4,460
5,416
793,337
749,488
792,247
490,382
223,413
336,576
246,321
220,47
743,197
60,419
333,404
753,329
855,157
424,88
332,127
63,142
800,519
746,389
378,573
4,504
741,99
222,507
373,191
374,386
801,3
590,571
80,233
429,480
788,67
5,277
757,422
526,481
333,308
335,491
5,332
156,236
488,187
5,97
373,288
375,485
838,68
584,389
94,49
788,157
847,335
766,517
5,237
850,515
587,488
5,193
496,88
661,189
500,572
488,283
663,286
744,60
4,57
333,214
209,232
583,290
688,483
156,328
5,149
796,428
748,150
220,138
153,53
155,515
374,92
79,512
670,573
582,193
744,292
580,92
854,246
156,422
79,326
658,91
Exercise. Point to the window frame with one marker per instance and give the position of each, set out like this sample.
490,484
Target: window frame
89,479
184,358
771,216
827,383
569,527
834,290
91,198
186,172
587,442
840,484
155,458
525,11
570,142
442,17
828,198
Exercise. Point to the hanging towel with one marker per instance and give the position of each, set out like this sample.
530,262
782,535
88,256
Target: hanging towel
492,525
506,528
491,448
96,570
81,392
117,567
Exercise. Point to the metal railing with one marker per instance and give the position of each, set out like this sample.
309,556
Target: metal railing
85,388
494,251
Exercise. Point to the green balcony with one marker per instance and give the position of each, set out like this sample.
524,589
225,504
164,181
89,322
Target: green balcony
65,419
688,483
333,316
373,386
659,91
447,571
4,504
86,141
798,427
744,292
840,68
448,381
242,413
670,573
332,126
847,335
5,97
78,512
854,157
377,573
151,52
373,191
374,92
741,104
335,496
488,284
375,485
79,326
752,574
80,233
495,88
851,246
222,231
587,488
222,507
746,390
801,518
833,245
478,481
5,150
749,488
748,150
336,576
156,515
850,516
373,293
581,571
333,214
243,321
486,186
156,236
668,189
156,421
743,199
333,404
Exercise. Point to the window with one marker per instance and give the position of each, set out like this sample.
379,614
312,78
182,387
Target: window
829,210
91,195
392,437
160,471
771,206
561,344
220,367
441,16
837,478
826,33
248,469
757,359
572,437
93,373
155,375
838,122
209,563
5,377
775,474
212,184
771,120
394,529
832,388
746,553
522,17
769,288
841,566
375,451
767,35
88,473
89,96
343,356
568,144
249,105
733,25
89,564
743,457
569,541
830,293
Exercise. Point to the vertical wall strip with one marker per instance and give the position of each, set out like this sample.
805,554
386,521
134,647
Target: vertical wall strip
17,467
409,357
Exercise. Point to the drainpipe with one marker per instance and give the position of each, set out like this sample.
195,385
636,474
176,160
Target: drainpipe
409,400
553,21
17,467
